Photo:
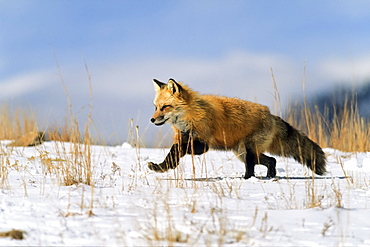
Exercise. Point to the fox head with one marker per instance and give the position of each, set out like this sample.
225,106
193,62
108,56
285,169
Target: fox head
169,102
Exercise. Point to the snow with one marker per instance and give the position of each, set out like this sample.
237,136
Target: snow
204,201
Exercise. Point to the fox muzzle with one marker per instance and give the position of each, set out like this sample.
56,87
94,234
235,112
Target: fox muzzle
158,122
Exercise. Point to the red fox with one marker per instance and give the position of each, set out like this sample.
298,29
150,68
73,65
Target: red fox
249,129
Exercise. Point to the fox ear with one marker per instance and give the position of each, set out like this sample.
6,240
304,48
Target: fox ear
158,85
173,86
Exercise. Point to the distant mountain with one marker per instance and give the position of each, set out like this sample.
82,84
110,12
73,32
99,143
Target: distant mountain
335,100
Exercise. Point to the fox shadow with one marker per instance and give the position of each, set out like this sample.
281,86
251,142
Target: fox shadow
215,179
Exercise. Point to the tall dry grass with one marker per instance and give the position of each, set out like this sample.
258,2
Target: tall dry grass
344,129
76,161
15,123
73,140
339,128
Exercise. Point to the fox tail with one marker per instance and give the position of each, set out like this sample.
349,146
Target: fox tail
289,142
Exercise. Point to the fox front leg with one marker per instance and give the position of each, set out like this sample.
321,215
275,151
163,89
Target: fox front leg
250,160
170,162
176,152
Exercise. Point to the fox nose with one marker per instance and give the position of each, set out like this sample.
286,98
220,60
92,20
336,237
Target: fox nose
152,120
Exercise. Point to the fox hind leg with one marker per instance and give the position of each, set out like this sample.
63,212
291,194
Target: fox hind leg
270,163
251,159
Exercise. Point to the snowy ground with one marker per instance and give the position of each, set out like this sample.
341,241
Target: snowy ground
203,202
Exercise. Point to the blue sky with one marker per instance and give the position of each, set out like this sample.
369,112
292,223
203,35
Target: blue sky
220,47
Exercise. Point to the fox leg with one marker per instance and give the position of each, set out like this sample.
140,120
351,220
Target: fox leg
250,161
195,147
170,162
270,163
176,152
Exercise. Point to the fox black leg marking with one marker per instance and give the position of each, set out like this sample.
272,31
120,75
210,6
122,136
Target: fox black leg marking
170,162
191,145
270,163
249,163
173,157
196,147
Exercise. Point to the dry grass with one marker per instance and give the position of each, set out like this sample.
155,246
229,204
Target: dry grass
19,122
73,163
343,129
15,123
4,172
73,147
14,234
346,130
75,166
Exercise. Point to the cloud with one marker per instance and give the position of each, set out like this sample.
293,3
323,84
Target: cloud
24,84
238,73
242,74
342,70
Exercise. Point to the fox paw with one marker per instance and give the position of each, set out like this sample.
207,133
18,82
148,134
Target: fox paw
155,167
271,173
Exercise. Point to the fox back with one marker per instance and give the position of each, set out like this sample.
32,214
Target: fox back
221,122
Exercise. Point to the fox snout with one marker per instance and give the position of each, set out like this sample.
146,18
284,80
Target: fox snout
160,120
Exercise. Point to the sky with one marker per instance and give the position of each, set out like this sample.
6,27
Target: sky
52,51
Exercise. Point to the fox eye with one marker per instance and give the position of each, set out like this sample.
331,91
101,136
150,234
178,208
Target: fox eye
165,107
